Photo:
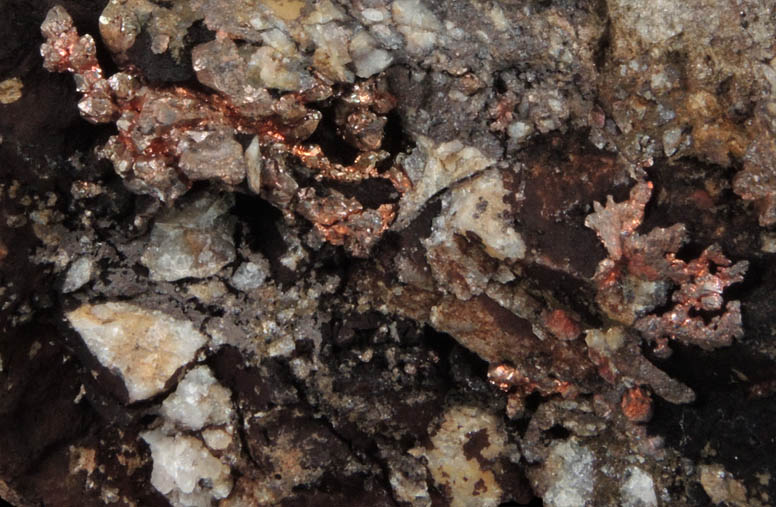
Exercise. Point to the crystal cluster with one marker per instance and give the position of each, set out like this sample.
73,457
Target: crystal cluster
170,137
641,269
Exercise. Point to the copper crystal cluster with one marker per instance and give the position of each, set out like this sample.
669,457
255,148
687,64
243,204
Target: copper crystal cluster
388,252
170,137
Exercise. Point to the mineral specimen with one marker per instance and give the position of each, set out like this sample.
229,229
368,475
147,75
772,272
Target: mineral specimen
651,265
10,90
198,401
78,275
568,475
466,456
387,252
638,489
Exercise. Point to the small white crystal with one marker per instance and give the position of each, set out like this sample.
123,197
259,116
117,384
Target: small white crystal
199,400
417,23
373,15
185,471
569,469
250,275
638,490
78,275
216,438
519,130
253,164
671,140
367,58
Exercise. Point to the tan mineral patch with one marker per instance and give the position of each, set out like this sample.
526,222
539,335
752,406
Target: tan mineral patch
463,476
10,90
216,439
288,10
82,458
479,207
444,164
721,486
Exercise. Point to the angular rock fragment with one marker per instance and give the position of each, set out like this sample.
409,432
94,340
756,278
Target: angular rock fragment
212,155
722,487
474,209
431,168
409,482
144,347
250,275
78,275
567,478
185,471
193,241
253,163
417,23
368,58
477,207
638,490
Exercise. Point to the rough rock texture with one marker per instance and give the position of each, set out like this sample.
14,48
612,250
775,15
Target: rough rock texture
144,346
193,242
185,471
468,455
387,252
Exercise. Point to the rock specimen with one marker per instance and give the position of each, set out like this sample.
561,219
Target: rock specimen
388,252
465,457
198,401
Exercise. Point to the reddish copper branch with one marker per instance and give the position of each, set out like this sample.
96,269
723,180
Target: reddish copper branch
701,291
638,260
